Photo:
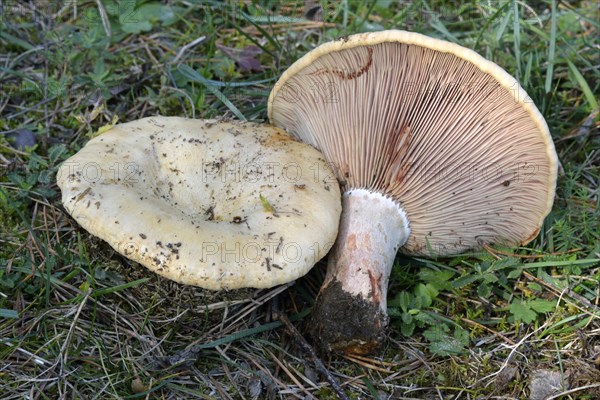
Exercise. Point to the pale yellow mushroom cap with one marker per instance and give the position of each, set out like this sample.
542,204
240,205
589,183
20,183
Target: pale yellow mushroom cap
220,205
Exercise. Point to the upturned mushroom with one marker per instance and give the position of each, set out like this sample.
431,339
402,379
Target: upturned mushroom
220,205
437,150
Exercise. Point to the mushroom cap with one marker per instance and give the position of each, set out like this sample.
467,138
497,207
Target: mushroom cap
220,205
448,134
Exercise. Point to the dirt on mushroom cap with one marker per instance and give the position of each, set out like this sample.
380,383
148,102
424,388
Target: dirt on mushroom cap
184,198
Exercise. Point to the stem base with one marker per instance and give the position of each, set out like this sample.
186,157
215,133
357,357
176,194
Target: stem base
350,314
346,323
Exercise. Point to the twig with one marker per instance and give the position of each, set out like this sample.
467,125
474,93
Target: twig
493,332
567,291
513,351
310,352
186,47
574,390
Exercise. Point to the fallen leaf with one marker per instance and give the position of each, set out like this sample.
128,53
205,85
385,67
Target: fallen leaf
505,377
244,58
545,384
21,139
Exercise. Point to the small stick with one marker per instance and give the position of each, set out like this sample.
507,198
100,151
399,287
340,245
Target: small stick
568,291
188,46
309,351
493,332
577,389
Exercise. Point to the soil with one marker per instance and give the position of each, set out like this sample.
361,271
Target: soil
346,323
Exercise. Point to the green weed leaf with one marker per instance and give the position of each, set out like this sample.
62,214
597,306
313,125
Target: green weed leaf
522,311
541,305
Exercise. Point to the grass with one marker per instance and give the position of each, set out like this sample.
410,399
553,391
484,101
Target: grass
77,320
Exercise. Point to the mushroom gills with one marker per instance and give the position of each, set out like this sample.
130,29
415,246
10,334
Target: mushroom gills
434,126
350,313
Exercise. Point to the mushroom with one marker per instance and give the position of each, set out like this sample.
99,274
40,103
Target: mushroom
220,205
438,151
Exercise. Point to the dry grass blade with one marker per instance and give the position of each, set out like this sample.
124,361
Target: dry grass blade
288,372
312,355
370,363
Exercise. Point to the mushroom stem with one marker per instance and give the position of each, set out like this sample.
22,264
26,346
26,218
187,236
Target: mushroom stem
351,311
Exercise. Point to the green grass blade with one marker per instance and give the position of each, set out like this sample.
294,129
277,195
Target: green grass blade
370,387
542,34
366,17
551,50
263,32
238,84
5,313
252,331
193,75
528,66
589,95
438,25
503,24
517,38
487,24
15,40
543,264
241,335
114,289
345,14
